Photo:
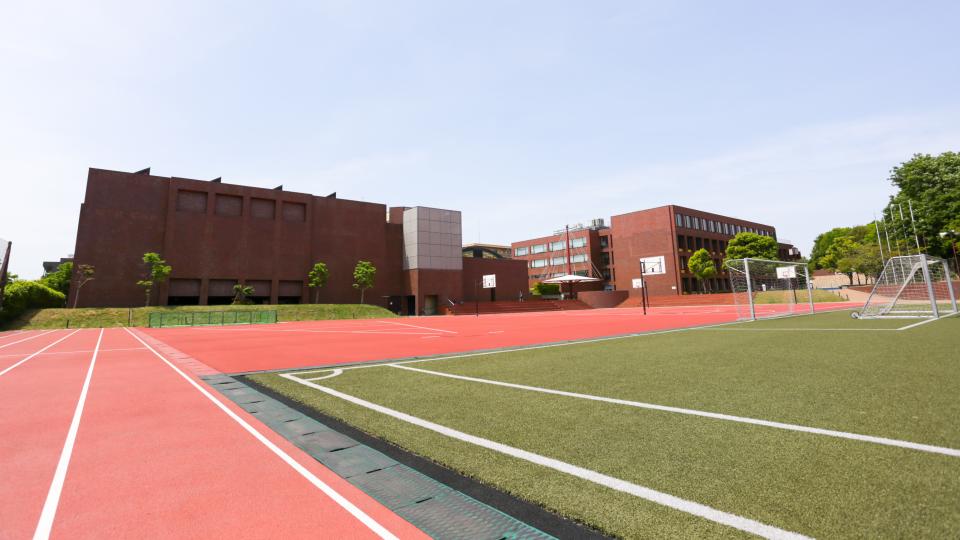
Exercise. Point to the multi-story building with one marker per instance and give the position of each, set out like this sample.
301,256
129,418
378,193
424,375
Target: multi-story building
218,235
663,237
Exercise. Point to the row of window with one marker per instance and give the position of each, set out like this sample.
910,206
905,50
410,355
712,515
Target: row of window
556,261
720,227
554,246
232,205
695,243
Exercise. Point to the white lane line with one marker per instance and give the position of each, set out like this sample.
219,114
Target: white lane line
693,412
11,334
914,325
356,512
37,353
422,327
45,524
35,336
75,352
659,497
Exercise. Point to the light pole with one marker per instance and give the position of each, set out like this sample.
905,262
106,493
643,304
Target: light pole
952,235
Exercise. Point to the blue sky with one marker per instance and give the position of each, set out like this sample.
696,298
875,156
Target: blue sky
524,115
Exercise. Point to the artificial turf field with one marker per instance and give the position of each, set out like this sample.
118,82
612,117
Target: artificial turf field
630,469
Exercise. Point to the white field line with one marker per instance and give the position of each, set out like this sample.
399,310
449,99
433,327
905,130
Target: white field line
35,336
37,353
807,329
422,327
392,332
914,325
334,373
49,512
356,512
517,349
658,497
693,412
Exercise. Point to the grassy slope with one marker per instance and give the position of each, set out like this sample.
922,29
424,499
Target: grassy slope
895,384
106,317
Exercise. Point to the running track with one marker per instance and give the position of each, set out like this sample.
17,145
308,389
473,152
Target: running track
153,456
239,349
153,452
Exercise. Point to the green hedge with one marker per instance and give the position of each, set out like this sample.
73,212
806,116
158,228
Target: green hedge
545,288
21,296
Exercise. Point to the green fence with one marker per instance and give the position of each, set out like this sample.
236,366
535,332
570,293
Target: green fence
159,319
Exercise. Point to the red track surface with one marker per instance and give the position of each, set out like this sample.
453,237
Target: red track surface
237,349
153,456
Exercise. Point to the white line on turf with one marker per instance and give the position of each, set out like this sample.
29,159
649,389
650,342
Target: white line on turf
333,374
421,327
356,512
45,524
35,336
693,412
658,497
37,353
914,325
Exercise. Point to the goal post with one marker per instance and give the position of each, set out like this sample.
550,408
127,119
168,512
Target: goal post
911,287
781,287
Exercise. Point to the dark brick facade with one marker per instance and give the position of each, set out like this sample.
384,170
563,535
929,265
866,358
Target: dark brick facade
216,235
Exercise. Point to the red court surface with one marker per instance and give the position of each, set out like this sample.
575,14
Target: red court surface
238,349
153,456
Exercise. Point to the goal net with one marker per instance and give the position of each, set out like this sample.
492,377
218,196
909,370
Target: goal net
911,286
763,288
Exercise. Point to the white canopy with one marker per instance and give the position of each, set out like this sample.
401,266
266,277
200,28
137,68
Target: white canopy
570,278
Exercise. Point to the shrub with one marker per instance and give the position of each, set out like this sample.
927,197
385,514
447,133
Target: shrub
545,288
21,296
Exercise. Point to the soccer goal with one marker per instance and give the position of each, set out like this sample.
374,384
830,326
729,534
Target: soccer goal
911,286
763,288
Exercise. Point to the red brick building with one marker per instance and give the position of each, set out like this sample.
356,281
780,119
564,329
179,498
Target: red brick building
665,237
217,235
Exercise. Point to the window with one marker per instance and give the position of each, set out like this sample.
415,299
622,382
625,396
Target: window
578,242
263,208
557,246
191,201
699,243
696,224
679,219
228,205
539,248
726,228
681,242
710,225
683,263
604,241
521,251
686,221
558,260
583,273
294,211
538,263
582,257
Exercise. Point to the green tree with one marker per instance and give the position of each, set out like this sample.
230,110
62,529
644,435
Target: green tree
364,275
932,184
157,272
702,266
60,279
823,242
317,278
754,246
241,294
26,295
85,274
